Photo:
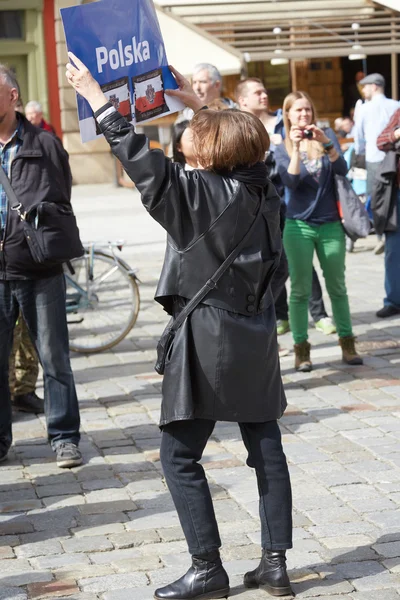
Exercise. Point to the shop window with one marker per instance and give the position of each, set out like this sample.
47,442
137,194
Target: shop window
11,24
276,79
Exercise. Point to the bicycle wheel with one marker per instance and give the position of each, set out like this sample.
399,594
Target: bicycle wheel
102,302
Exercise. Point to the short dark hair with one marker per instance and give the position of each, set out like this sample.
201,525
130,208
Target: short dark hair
225,139
179,128
241,87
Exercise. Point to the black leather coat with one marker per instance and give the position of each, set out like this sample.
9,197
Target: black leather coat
224,364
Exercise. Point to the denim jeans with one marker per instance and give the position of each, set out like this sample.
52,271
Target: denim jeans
316,304
42,304
392,264
182,446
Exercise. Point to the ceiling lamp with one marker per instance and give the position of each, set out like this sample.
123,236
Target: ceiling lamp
357,50
357,54
278,59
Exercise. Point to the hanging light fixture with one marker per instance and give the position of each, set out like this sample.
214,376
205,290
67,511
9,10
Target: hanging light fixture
357,49
278,59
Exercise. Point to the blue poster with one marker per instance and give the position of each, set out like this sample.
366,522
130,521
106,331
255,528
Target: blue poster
121,44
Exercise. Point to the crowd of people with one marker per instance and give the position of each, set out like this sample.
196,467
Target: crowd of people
247,200
239,181
302,169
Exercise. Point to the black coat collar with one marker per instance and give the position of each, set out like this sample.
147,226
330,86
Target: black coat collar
29,135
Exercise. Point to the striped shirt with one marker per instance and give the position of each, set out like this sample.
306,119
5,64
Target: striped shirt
8,151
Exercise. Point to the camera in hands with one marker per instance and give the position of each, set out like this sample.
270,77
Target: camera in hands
307,134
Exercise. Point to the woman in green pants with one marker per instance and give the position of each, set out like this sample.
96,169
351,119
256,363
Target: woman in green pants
307,162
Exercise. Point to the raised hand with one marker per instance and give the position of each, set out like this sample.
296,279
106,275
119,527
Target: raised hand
184,92
80,78
319,135
296,135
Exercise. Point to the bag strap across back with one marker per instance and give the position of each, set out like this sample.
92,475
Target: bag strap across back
5,182
212,282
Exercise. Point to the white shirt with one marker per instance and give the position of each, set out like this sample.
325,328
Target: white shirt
371,119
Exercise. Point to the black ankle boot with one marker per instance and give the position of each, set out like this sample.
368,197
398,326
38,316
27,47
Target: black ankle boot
205,580
270,574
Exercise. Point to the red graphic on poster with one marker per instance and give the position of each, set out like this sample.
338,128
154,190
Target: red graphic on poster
149,95
117,93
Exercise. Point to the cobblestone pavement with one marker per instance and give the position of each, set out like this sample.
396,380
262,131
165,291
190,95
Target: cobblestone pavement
108,531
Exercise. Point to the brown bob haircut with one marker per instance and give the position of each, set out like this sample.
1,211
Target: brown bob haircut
227,139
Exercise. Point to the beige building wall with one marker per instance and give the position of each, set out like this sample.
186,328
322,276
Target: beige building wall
91,162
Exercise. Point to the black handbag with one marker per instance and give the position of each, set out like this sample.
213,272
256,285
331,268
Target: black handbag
50,228
355,218
165,344
384,194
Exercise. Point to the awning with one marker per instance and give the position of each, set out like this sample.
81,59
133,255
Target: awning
187,45
392,4
309,28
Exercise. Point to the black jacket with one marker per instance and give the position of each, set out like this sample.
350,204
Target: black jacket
205,215
384,194
224,363
40,171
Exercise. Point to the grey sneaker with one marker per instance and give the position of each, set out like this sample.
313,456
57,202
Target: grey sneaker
380,247
68,455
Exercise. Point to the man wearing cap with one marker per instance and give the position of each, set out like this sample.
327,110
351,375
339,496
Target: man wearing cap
371,118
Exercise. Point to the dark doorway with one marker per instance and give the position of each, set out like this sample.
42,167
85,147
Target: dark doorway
373,64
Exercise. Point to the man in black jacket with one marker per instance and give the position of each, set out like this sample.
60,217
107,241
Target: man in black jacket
38,169
386,207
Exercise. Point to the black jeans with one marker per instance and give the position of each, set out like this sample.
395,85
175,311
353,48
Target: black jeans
42,304
316,304
372,169
182,446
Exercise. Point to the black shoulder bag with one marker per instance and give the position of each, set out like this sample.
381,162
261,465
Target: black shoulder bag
50,228
164,346
355,219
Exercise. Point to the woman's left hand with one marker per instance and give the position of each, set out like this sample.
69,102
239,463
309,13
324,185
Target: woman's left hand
318,134
80,78
184,92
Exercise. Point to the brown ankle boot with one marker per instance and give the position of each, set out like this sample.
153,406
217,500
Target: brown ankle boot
349,353
302,357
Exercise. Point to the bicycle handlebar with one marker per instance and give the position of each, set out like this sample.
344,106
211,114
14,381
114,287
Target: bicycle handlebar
115,244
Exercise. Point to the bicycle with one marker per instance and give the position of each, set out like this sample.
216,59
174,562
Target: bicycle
103,293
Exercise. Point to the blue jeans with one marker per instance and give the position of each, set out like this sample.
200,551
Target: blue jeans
182,446
42,304
392,264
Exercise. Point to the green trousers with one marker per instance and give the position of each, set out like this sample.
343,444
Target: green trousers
300,240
